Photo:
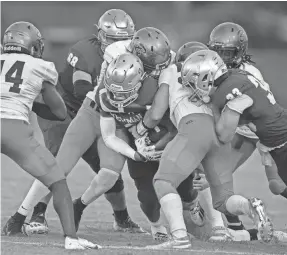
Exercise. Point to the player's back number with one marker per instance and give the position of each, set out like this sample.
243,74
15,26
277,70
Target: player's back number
72,59
14,75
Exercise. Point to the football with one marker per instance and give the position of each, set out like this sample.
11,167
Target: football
157,133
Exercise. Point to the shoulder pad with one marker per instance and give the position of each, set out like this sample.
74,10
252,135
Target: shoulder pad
48,71
253,70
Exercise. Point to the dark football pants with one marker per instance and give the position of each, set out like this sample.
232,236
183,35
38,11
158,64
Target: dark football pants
54,132
19,144
280,157
142,174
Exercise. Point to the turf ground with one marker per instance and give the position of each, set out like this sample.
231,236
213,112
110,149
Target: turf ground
97,221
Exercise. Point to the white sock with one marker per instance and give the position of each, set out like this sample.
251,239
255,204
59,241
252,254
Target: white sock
36,192
213,215
238,205
172,208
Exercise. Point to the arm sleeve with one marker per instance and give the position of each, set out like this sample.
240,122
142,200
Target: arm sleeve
108,130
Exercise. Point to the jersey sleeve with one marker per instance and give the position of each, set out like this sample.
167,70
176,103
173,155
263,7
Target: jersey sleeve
228,90
83,56
166,75
48,72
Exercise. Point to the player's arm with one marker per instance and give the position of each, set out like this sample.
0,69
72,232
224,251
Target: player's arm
160,145
82,82
229,119
54,108
108,130
155,113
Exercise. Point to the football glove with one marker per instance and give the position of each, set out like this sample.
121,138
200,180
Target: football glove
150,153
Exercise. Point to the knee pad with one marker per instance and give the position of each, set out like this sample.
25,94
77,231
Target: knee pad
163,188
276,186
118,187
105,180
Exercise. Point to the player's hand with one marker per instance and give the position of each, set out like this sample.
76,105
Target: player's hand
200,182
150,153
138,130
139,157
142,142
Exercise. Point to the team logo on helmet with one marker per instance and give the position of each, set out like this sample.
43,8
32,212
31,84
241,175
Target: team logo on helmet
241,36
139,49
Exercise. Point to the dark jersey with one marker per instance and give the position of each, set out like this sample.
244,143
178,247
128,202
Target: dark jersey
134,112
86,55
269,117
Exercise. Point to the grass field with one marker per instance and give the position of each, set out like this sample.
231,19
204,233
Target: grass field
97,221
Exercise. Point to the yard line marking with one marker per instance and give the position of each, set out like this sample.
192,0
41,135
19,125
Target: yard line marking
114,247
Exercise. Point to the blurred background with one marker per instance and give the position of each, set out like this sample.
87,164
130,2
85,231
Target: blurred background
64,23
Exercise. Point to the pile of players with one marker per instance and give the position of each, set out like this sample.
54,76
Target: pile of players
183,122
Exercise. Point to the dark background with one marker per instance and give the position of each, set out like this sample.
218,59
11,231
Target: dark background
64,23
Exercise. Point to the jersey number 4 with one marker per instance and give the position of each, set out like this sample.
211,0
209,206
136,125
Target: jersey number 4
14,75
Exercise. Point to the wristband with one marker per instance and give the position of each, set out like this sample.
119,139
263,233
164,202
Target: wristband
142,128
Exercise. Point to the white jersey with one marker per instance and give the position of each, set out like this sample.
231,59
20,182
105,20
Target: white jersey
21,82
179,103
245,130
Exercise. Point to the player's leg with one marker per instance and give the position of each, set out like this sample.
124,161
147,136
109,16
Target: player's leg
142,173
190,201
280,158
53,132
217,168
180,158
18,143
111,166
115,195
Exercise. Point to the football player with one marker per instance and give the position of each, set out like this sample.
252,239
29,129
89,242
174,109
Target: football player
152,47
80,75
24,75
195,143
230,41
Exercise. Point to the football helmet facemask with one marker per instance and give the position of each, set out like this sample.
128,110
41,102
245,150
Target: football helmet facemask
114,25
230,41
200,70
123,79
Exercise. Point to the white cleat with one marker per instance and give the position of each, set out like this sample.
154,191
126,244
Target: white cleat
173,243
196,212
35,228
220,234
280,236
159,233
79,244
261,219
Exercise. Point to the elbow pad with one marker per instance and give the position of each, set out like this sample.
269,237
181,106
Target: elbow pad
81,88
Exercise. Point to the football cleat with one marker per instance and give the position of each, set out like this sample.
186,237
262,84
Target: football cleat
37,225
236,226
280,236
196,212
220,234
127,226
79,244
173,243
13,227
261,219
159,233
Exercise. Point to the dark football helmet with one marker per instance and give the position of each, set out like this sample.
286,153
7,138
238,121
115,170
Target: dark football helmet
230,41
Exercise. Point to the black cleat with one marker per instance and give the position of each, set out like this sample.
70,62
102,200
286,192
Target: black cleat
127,226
